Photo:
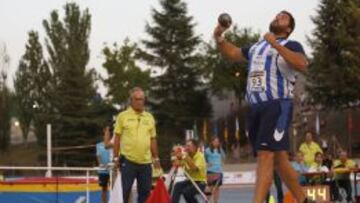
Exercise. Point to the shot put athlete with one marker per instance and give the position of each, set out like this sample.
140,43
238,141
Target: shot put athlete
273,62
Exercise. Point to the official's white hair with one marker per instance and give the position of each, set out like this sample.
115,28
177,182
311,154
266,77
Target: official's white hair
135,89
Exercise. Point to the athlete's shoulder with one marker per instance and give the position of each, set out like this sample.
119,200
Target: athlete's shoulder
294,45
246,50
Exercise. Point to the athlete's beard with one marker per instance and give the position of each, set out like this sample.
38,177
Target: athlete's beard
276,29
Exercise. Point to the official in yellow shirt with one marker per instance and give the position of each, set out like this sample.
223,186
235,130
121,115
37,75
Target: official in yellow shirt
309,148
195,165
136,130
135,146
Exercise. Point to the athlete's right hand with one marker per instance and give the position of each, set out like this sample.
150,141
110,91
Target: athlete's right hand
219,30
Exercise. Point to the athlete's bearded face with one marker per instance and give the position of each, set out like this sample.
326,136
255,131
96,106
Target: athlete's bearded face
280,24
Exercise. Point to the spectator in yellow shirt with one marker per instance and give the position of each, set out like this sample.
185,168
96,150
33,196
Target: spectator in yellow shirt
195,165
309,148
342,168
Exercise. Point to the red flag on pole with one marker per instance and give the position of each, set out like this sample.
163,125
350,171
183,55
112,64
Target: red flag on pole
159,193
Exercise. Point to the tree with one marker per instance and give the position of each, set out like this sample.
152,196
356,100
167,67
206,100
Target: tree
123,72
223,74
334,72
73,94
4,100
26,82
178,95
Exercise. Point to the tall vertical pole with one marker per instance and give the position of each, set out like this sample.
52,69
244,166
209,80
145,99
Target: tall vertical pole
294,140
49,160
317,124
350,129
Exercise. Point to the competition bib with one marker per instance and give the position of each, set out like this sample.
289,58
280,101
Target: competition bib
257,81
257,76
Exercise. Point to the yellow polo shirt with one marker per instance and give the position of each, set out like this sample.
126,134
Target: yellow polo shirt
309,152
338,164
200,163
136,131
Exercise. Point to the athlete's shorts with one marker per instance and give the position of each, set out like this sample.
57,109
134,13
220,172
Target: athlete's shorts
268,124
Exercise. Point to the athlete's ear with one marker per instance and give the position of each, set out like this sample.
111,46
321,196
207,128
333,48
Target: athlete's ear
288,30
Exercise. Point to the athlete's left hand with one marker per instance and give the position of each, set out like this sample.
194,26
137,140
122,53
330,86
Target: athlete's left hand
269,37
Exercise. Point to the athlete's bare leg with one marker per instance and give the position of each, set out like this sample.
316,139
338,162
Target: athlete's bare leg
264,175
288,175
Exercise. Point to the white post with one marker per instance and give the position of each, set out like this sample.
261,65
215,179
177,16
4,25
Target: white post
294,139
49,160
317,124
87,187
111,170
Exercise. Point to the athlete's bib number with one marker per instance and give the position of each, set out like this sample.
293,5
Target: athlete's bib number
258,81
258,74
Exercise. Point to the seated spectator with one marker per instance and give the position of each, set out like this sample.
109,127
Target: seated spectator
342,176
326,178
195,165
299,166
309,148
317,166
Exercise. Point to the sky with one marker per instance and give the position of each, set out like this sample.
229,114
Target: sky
114,20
